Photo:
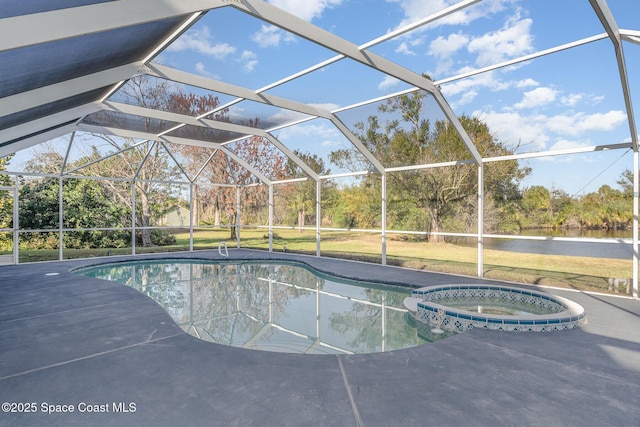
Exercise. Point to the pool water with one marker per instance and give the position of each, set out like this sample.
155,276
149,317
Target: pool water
273,306
495,306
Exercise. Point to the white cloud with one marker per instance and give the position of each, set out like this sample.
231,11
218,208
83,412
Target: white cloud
329,106
514,129
572,99
271,36
306,9
566,144
268,36
285,116
320,132
490,80
249,60
404,48
444,47
414,10
521,84
537,97
201,41
513,40
202,70
388,82
536,131
466,98
580,123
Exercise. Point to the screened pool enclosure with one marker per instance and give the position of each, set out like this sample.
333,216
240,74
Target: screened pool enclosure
381,130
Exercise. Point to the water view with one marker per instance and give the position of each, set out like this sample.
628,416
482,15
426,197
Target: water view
620,249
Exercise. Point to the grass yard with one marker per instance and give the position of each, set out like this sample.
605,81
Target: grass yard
551,270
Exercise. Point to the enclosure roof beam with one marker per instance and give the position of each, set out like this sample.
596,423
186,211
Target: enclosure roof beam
388,36
282,19
182,118
632,36
213,124
47,135
178,76
357,143
523,58
246,165
186,175
66,89
273,15
611,27
453,119
133,134
38,131
37,28
124,133
204,165
565,152
106,156
144,160
290,154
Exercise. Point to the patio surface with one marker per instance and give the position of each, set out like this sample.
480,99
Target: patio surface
71,340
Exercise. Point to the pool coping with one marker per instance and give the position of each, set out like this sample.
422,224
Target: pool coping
428,310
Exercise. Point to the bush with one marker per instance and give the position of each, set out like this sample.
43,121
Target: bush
158,238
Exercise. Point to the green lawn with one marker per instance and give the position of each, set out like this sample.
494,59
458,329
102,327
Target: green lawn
551,270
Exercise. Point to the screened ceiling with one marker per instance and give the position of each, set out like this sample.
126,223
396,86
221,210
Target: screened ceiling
550,78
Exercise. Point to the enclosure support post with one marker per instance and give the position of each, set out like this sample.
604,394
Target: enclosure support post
191,214
16,223
238,216
636,211
384,218
480,220
60,219
133,216
318,214
270,217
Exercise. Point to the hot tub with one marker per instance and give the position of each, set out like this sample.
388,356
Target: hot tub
456,308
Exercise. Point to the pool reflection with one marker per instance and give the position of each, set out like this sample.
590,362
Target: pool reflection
273,307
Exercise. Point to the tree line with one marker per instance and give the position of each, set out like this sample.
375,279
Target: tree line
430,199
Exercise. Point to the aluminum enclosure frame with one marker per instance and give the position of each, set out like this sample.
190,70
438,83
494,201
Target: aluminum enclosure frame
23,32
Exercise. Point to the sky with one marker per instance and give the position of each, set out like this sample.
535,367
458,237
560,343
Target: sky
566,100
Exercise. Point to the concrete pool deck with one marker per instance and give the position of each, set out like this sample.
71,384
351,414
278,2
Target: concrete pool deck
67,339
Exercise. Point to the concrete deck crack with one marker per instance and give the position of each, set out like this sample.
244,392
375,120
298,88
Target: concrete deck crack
65,311
89,356
354,407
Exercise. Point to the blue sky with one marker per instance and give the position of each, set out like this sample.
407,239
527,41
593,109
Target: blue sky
566,100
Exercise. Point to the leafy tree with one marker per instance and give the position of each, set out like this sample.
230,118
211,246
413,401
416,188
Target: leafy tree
564,208
258,152
626,182
300,198
86,205
147,161
411,140
607,208
357,207
536,207
6,206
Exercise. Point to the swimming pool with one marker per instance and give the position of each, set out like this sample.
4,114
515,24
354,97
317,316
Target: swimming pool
273,306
